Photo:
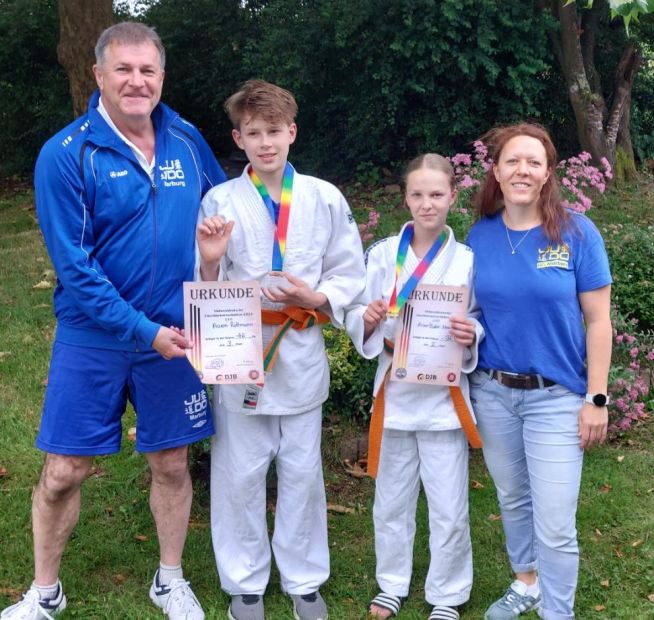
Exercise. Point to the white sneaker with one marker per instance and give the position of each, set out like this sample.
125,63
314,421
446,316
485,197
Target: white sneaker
176,599
31,607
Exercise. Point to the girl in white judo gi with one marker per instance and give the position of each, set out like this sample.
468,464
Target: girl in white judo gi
422,436
271,219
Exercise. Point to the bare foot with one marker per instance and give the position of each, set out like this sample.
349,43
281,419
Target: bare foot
379,612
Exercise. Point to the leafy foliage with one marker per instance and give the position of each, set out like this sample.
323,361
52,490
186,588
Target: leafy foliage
34,99
350,390
380,86
631,250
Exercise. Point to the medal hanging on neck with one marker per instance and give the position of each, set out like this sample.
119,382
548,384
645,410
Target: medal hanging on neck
399,299
280,220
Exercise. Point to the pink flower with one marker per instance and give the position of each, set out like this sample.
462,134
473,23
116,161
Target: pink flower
466,182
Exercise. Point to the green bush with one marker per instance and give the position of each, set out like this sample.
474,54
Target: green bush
350,391
631,252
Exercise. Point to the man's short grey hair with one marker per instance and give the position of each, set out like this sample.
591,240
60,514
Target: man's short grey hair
128,33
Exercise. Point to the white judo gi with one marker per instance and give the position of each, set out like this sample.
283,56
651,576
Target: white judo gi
323,248
422,440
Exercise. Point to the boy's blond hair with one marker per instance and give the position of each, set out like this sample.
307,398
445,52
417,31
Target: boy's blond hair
262,99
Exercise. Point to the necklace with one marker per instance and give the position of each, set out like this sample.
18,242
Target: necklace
517,245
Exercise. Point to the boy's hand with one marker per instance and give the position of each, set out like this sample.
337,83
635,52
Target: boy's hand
213,238
299,294
462,330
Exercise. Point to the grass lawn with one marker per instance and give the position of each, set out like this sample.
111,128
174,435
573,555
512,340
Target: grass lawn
113,552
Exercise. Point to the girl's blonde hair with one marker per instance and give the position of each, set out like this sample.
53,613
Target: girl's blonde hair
432,161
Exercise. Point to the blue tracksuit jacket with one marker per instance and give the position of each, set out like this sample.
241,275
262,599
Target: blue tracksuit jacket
121,245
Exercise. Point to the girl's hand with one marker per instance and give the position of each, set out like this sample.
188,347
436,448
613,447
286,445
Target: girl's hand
374,314
462,330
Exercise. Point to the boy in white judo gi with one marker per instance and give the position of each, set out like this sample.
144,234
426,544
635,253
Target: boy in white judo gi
422,437
272,218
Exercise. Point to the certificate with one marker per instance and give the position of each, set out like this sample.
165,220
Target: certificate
424,351
223,321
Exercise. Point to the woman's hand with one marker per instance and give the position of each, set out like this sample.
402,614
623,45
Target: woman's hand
593,425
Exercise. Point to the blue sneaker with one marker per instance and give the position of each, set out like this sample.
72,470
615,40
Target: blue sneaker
515,601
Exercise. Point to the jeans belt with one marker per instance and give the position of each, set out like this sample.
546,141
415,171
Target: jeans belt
518,381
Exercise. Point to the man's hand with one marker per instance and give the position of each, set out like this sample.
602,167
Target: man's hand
299,294
170,342
593,424
213,238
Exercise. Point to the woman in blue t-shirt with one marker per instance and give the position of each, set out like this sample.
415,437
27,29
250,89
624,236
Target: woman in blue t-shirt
543,285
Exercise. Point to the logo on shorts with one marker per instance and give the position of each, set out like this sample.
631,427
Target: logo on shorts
196,407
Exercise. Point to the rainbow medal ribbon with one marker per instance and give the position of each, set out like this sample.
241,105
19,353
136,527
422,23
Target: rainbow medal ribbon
399,299
280,219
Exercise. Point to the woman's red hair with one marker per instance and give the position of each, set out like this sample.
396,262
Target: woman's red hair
489,199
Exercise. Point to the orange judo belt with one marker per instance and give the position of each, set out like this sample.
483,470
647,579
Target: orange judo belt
288,317
377,420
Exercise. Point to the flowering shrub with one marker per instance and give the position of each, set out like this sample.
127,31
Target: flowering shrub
366,230
579,177
630,378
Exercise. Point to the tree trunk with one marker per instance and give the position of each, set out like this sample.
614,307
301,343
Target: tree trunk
588,106
80,25
624,162
600,129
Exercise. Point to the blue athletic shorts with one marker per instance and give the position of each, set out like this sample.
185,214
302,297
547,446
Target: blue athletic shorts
88,390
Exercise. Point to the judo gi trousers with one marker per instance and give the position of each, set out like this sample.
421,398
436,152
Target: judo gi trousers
440,460
242,451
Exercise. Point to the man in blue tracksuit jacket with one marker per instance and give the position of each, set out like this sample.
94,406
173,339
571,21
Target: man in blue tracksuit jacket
117,196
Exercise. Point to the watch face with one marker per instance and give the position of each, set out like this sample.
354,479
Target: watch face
599,400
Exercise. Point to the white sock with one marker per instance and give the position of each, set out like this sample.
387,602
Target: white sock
47,591
533,589
168,573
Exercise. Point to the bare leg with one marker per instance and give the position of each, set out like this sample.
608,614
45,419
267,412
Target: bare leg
55,511
170,501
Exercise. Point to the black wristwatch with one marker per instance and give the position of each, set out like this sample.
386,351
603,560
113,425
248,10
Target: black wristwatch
599,400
